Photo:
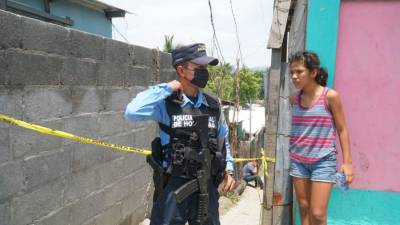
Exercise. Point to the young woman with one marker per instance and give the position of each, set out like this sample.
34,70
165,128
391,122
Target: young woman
317,117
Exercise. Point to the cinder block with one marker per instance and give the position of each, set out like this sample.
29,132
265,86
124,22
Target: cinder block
90,222
115,192
138,76
139,215
84,209
166,75
80,184
143,56
133,163
165,61
85,156
124,139
61,216
84,126
11,180
144,136
85,45
29,68
43,168
5,153
111,74
118,52
140,179
24,142
10,30
111,216
86,99
3,68
79,72
109,172
110,124
43,36
47,102
134,201
32,206
116,98
11,104
5,213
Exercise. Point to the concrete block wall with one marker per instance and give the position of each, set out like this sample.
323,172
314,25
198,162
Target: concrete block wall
79,83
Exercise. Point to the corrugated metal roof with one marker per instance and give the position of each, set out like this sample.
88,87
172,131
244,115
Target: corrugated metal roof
97,5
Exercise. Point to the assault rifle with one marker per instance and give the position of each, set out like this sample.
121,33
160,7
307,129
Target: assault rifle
200,183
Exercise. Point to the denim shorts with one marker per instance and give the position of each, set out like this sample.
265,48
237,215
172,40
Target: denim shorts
324,170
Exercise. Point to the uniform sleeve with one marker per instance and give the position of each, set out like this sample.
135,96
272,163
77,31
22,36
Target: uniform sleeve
223,135
149,104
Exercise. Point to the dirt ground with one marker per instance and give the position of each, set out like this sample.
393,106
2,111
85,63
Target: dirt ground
247,211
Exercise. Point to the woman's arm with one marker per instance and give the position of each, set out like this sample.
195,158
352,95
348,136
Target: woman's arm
335,106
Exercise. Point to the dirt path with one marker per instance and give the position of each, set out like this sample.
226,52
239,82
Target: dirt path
246,211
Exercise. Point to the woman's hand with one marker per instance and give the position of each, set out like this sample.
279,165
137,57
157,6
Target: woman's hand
229,182
347,170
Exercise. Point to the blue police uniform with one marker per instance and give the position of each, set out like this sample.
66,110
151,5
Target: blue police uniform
150,105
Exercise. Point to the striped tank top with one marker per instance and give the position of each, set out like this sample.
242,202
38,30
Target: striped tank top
313,133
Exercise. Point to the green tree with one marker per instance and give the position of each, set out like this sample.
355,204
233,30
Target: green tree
250,85
221,81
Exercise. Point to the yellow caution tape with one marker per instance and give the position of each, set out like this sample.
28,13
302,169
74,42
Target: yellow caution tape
269,159
45,130
264,162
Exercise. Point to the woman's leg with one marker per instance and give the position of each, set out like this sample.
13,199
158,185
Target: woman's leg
320,193
302,188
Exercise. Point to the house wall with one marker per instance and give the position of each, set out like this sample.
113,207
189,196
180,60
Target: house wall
366,78
85,19
321,33
367,61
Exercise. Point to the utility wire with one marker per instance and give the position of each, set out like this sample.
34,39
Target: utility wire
215,39
116,29
237,33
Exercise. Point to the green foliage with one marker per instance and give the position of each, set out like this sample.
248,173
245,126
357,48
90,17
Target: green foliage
168,43
250,85
221,81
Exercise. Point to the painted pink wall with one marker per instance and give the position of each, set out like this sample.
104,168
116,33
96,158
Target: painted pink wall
368,80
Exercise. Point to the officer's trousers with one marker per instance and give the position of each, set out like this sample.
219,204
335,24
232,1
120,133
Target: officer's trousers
166,211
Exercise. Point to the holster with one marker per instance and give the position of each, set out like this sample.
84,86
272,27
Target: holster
160,179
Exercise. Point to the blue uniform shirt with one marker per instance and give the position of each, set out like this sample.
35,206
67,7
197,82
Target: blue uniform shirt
150,105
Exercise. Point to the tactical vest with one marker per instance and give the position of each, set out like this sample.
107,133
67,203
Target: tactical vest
184,143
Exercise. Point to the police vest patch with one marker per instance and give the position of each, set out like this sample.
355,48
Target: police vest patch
186,121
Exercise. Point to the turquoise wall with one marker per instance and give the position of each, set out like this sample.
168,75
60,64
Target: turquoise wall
362,207
85,19
322,32
36,4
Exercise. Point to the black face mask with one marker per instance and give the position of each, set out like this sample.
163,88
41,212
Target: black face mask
200,78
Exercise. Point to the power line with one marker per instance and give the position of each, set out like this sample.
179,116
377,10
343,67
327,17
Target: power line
237,33
116,29
215,39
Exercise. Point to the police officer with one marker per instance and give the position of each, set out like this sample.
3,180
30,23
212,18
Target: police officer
184,95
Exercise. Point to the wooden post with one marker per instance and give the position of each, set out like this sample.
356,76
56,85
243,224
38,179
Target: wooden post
236,110
272,108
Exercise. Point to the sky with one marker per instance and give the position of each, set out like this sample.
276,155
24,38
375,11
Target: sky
189,21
